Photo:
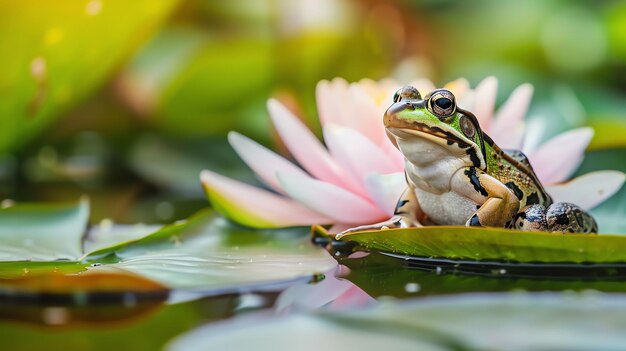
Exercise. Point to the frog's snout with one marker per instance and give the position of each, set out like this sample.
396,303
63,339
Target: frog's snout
393,110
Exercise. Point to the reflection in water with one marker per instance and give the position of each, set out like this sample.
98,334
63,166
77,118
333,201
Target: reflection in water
330,293
71,316
111,320
56,299
380,275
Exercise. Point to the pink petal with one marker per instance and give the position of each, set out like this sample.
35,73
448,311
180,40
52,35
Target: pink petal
331,101
256,207
261,160
368,120
367,117
589,190
310,297
385,189
340,227
458,87
558,158
304,146
394,155
533,130
330,200
377,90
423,85
357,153
485,101
352,298
507,129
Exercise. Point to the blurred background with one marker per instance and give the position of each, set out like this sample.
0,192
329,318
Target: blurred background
126,101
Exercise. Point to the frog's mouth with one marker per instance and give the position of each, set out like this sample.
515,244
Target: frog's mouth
403,129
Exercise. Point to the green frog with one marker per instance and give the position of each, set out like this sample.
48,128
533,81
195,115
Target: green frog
457,175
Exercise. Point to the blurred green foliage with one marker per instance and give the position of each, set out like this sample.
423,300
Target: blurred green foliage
54,53
128,101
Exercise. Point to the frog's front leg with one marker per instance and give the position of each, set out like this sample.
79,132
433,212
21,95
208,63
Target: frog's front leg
406,214
497,203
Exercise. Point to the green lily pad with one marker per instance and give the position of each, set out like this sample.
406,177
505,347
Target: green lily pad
492,244
517,321
207,252
40,232
204,252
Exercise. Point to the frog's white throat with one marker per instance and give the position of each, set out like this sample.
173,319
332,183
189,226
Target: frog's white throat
430,159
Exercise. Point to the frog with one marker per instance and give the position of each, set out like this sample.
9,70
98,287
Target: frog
457,175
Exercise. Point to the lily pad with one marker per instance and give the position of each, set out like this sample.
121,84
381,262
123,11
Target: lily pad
461,322
207,252
491,244
40,232
204,252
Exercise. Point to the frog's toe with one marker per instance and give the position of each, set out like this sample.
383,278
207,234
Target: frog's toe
531,218
564,217
394,222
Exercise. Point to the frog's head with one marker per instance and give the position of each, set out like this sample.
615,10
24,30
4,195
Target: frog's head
435,119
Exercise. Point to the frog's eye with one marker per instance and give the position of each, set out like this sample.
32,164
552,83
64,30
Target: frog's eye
407,93
442,103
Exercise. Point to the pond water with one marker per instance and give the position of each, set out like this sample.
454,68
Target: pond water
138,321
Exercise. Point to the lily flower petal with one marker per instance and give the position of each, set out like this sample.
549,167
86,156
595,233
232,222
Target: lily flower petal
360,155
589,190
331,101
458,87
305,147
385,189
508,127
255,207
549,161
367,116
485,101
330,200
423,85
261,160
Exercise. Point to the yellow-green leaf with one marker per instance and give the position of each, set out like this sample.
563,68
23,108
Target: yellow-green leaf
463,243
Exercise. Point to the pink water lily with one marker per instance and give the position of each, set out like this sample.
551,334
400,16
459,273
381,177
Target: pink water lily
357,176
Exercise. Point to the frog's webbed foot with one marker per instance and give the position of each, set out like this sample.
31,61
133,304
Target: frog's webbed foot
405,215
560,217
397,221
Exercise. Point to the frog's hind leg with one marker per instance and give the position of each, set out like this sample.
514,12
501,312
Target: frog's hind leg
560,217
565,217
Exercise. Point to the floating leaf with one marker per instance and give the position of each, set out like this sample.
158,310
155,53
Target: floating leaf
204,252
207,252
461,322
14,269
464,243
39,232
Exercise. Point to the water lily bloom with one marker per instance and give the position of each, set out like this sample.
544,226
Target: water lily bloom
357,176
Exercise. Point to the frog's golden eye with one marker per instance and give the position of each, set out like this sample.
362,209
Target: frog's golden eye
407,93
467,127
442,103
